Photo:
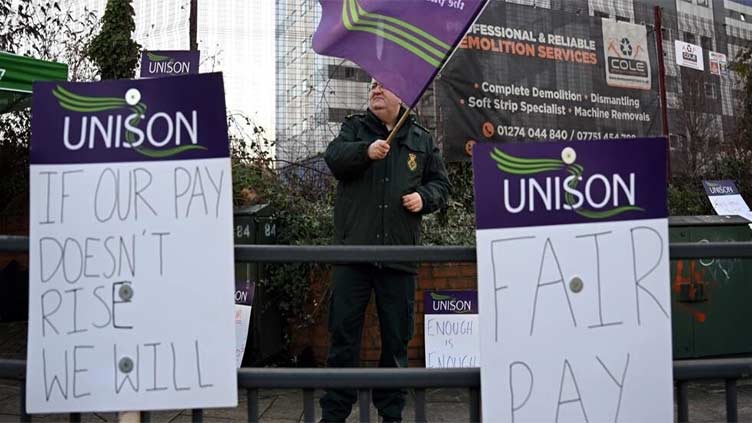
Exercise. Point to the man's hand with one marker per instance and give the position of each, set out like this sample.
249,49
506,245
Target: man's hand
378,150
413,202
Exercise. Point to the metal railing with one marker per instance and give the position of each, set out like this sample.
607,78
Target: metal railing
252,380
419,379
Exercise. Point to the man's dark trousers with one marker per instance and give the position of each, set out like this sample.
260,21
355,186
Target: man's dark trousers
395,303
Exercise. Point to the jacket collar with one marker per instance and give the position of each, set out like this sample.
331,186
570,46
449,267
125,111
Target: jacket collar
377,126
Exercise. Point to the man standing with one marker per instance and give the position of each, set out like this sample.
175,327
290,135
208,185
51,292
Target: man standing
383,191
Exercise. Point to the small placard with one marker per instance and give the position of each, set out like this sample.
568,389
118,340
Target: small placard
169,63
726,200
244,292
451,329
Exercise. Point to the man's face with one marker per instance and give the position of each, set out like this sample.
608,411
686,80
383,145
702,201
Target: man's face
380,99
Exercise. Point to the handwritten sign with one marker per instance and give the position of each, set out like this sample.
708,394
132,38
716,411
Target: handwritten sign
131,251
726,200
573,281
451,329
169,63
244,292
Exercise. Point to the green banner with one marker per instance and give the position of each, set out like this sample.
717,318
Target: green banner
17,74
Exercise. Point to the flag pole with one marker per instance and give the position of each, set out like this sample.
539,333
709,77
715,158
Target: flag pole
398,126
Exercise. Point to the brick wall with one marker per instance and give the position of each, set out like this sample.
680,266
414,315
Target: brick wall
442,276
15,224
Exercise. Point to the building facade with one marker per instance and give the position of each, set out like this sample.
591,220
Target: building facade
235,37
315,93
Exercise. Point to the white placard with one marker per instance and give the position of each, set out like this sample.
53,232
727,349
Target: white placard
552,354
729,205
689,55
242,324
726,200
178,327
452,340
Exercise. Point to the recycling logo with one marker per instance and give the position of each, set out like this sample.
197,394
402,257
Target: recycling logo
626,47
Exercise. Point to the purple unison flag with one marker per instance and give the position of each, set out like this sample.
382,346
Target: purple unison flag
401,43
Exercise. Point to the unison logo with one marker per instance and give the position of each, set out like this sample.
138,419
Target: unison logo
122,122
596,196
718,189
689,53
166,65
449,303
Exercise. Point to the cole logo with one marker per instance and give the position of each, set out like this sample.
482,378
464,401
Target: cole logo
161,64
596,196
625,48
622,58
689,53
123,122
412,163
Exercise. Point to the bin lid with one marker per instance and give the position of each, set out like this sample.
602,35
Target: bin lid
710,220
257,210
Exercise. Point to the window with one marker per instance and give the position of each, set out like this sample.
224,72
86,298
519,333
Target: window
666,33
622,18
706,43
703,3
671,85
348,73
599,14
339,115
709,90
675,142
689,37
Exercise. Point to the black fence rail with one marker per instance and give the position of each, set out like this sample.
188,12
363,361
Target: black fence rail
401,254
251,380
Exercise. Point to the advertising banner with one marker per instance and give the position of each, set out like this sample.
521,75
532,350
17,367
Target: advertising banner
718,63
689,55
130,249
524,73
573,281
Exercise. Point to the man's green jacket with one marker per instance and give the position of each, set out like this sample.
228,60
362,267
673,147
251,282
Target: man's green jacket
368,209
